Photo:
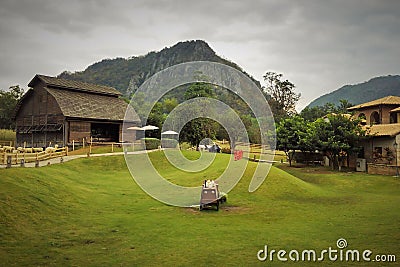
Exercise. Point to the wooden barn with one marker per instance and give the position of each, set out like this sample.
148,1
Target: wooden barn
58,111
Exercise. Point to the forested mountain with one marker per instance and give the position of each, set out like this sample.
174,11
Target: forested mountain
127,74
375,88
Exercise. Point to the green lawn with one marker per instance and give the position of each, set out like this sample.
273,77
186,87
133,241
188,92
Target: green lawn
90,212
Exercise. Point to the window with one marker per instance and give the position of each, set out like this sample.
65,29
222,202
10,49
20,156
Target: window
375,118
393,118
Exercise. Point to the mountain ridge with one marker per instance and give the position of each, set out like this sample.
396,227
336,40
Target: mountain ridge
127,74
374,88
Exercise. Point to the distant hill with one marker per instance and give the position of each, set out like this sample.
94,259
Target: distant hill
363,92
127,74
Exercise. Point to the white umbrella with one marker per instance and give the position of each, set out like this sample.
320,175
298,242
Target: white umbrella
149,127
135,128
169,132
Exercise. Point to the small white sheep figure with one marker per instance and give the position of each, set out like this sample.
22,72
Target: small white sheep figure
8,149
51,149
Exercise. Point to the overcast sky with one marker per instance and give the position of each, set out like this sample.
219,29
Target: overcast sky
318,45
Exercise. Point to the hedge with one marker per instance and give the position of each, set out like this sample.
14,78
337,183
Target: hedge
151,143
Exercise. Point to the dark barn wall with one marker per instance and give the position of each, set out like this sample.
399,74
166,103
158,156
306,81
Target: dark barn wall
78,130
38,109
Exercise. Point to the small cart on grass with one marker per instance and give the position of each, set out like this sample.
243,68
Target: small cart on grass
210,195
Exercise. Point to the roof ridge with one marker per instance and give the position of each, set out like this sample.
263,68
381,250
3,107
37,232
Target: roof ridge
76,85
380,101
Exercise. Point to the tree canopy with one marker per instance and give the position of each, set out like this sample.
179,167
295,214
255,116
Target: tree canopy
8,102
281,95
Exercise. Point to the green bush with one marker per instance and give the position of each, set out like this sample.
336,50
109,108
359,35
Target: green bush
169,143
151,143
185,146
7,135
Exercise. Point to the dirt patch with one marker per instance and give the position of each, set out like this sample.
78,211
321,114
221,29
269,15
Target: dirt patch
233,209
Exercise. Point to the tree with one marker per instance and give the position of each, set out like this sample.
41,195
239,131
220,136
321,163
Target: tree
289,133
197,129
343,106
280,95
199,89
8,103
169,104
338,137
313,113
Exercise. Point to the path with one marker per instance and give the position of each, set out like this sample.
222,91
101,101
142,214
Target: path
72,157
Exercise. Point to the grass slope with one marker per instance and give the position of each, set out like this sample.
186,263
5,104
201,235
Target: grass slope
90,212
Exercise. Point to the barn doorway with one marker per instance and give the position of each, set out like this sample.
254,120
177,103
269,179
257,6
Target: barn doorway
105,132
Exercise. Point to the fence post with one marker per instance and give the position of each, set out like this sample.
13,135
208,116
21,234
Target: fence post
9,159
112,147
66,151
73,145
83,142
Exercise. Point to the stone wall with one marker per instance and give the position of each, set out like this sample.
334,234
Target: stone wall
382,169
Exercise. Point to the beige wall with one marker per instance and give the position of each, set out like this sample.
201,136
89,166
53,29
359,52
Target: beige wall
383,111
383,142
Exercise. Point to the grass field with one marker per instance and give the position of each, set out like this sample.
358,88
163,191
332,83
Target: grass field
90,212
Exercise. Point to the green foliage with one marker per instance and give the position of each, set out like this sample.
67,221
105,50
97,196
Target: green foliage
152,143
198,129
338,136
199,89
7,135
280,95
314,113
8,102
290,134
169,104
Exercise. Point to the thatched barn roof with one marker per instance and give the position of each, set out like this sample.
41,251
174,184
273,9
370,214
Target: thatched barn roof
74,85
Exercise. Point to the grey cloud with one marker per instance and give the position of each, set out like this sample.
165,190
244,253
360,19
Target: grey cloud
318,45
